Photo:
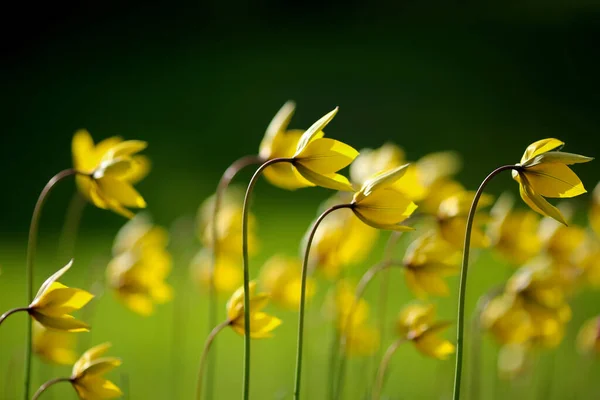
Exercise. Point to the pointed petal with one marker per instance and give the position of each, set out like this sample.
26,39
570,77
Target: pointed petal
90,355
540,147
126,148
285,176
329,181
262,324
65,322
385,207
82,148
433,346
53,279
380,181
538,203
558,157
101,366
326,156
314,130
279,123
59,299
121,192
554,180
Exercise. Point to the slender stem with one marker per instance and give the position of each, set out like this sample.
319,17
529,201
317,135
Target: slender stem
385,362
245,217
31,248
463,279
46,385
209,340
10,312
68,235
333,360
300,343
224,182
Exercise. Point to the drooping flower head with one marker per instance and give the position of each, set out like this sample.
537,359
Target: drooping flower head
52,346
261,323
281,277
111,168
54,303
544,172
88,374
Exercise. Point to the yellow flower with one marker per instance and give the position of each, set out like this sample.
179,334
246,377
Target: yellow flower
371,162
53,346
513,360
281,277
261,323
228,272
362,340
452,219
427,262
508,321
111,168
514,233
595,210
561,242
88,375
544,172
439,191
379,204
588,339
416,322
54,303
139,234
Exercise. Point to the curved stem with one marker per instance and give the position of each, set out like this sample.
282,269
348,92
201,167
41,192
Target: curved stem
31,248
385,362
205,352
229,174
10,312
46,385
245,215
463,279
300,343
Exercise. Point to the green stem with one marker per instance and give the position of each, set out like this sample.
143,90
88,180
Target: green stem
229,174
209,341
31,248
463,279
10,312
245,217
46,385
300,343
385,362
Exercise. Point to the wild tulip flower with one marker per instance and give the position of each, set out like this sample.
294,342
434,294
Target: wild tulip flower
439,191
507,320
588,338
261,323
139,234
107,172
371,162
52,346
226,274
280,277
452,220
561,242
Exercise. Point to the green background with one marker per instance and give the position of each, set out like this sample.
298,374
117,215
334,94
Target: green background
200,83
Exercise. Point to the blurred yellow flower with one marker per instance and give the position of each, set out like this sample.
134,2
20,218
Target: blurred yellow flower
54,303
111,168
261,323
416,323
281,277
559,241
439,191
52,346
88,375
428,260
588,338
514,233
544,172
371,162
227,272
452,219
507,320
379,204
513,360
139,234
595,210
362,340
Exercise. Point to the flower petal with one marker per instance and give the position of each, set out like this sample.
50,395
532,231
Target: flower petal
380,181
329,181
540,147
53,279
82,148
61,323
314,130
96,388
538,203
101,366
121,192
326,156
558,157
59,299
384,207
433,346
278,124
90,355
554,180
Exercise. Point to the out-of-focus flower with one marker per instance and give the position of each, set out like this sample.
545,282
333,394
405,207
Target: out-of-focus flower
559,241
111,168
416,323
379,204
513,360
595,210
452,219
587,262
227,272
54,303
88,375
362,340
508,321
140,266
281,277
544,172
588,338
428,260
53,346
514,233
439,191
261,323
371,162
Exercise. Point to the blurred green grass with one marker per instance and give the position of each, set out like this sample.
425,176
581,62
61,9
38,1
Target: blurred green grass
159,365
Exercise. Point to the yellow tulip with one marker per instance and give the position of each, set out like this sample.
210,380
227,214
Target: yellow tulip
514,233
53,346
507,320
544,172
227,272
111,168
54,303
280,276
88,375
139,234
452,220
382,206
229,231
588,338
428,260
594,214
439,191
561,242
261,323
416,323
362,340
371,162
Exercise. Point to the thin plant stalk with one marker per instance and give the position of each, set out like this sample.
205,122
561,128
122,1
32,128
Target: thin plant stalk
385,362
68,235
300,343
463,280
207,345
245,217
47,385
11,312
228,176
31,250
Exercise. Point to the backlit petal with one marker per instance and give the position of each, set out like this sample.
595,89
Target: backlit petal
121,192
433,346
61,323
540,147
59,299
554,180
329,181
82,148
385,206
326,156
312,132
538,203
53,279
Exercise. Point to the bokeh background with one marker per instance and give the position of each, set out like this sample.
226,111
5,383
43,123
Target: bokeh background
201,80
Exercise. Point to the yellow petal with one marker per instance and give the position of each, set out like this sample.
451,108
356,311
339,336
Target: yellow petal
90,355
314,130
432,283
554,180
59,299
540,147
138,303
329,181
538,203
384,207
558,157
285,176
278,124
413,283
121,192
127,148
262,324
433,346
65,322
326,156
380,181
82,148
101,366
96,388
52,279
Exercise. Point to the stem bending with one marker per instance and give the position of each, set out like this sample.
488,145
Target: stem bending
385,362
46,385
211,337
